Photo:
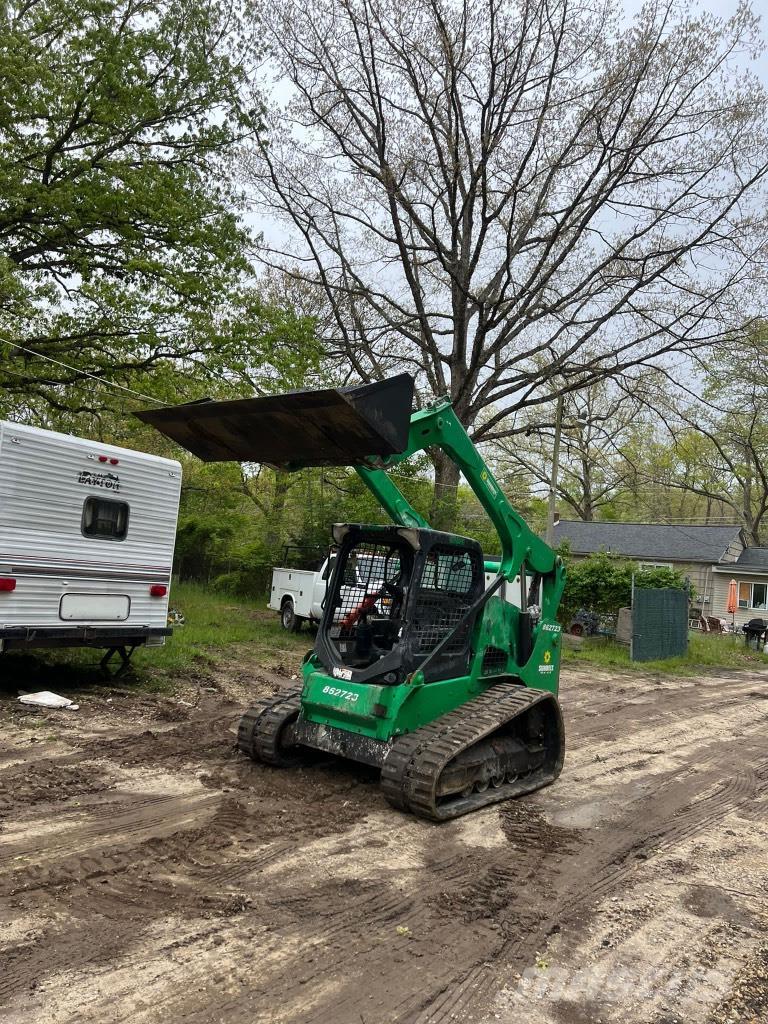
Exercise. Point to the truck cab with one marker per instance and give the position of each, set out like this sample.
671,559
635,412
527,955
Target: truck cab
299,594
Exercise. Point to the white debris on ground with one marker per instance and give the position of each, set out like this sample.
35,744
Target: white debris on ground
47,699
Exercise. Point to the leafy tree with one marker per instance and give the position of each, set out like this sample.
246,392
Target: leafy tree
121,253
593,471
713,451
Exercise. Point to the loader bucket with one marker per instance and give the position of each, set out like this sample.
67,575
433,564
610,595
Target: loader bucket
331,427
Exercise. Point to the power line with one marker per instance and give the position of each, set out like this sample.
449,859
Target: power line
83,373
50,382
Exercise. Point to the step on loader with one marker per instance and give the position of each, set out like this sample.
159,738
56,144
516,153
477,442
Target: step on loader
420,667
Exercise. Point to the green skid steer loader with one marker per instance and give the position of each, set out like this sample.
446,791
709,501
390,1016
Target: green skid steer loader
421,668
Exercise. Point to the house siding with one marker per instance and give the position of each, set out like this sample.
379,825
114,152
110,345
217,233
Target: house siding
719,604
701,577
700,574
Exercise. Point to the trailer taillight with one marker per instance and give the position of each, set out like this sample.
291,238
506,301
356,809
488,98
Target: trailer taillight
7,584
158,590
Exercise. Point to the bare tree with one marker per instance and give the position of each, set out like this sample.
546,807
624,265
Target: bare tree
717,442
513,198
593,468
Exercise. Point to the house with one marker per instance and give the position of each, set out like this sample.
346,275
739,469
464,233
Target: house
750,570
710,556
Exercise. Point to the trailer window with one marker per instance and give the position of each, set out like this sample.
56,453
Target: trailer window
105,519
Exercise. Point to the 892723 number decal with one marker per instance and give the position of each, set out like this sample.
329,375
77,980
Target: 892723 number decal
334,691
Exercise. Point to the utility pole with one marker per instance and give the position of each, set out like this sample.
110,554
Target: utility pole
550,536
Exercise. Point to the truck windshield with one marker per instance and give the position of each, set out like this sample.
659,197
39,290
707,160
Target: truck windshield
377,567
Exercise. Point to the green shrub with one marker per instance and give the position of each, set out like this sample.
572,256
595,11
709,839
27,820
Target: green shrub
247,580
603,583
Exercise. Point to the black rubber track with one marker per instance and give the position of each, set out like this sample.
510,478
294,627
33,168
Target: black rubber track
260,728
415,761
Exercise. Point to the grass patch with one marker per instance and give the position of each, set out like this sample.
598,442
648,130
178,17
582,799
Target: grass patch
215,622
705,651
215,625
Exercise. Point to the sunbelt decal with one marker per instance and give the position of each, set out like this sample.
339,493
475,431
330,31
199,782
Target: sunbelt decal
485,477
342,673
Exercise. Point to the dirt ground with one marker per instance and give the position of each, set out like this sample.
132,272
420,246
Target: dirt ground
149,873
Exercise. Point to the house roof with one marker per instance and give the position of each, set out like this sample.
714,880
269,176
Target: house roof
750,560
655,541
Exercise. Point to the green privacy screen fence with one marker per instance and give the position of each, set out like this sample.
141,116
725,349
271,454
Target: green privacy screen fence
659,623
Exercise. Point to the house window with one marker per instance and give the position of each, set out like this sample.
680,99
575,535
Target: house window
753,595
107,520
655,565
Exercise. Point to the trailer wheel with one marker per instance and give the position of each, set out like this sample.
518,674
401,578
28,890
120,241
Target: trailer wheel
288,618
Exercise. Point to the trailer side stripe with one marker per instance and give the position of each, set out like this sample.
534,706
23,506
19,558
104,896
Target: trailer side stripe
21,559
111,573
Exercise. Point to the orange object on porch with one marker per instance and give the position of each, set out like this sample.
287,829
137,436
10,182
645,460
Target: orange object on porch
733,602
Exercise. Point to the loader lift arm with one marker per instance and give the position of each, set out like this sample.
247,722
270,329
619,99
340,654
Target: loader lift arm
438,426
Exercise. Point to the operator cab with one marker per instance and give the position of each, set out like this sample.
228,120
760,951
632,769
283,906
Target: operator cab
396,594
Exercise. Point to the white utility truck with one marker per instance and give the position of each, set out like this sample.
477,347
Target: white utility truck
298,594
87,532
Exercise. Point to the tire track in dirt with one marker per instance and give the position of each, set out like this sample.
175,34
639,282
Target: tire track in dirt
474,987
453,999
124,894
696,818
112,882
347,1008
333,940
152,817
156,824
187,740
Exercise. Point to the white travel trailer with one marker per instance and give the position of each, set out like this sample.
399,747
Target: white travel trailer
86,542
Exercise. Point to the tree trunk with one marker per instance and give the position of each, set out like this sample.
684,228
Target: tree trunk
588,513
444,511
275,520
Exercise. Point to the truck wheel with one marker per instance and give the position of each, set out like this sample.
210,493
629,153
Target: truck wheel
289,619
